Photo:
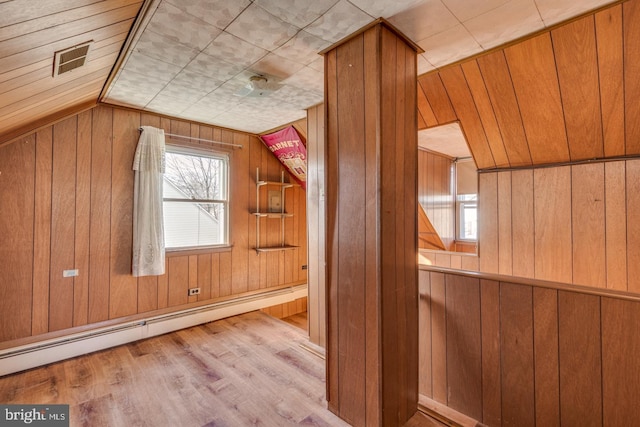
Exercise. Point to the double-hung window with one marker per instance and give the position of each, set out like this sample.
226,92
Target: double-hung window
195,199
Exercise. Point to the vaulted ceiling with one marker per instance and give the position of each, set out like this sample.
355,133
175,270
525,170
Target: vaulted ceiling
567,95
189,58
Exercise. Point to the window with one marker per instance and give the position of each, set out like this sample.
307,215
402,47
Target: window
466,200
468,216
195,199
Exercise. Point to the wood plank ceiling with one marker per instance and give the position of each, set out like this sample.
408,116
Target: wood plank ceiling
566,95
30,33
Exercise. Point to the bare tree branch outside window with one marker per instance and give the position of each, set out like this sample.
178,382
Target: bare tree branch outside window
197,178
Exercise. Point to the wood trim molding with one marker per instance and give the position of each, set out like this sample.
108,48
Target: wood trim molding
534,282
42,123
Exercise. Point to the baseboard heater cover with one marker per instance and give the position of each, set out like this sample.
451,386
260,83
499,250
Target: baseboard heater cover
29,356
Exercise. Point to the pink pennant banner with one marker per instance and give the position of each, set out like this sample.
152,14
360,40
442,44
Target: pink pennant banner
289,149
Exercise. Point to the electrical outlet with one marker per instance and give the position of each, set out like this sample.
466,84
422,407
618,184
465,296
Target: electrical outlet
70,273
194,291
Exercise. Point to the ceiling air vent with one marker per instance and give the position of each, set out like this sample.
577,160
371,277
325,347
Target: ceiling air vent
71,58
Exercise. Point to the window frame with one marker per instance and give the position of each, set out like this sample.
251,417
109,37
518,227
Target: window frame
225,157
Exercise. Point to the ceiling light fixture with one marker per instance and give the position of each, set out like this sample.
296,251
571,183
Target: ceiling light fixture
258,87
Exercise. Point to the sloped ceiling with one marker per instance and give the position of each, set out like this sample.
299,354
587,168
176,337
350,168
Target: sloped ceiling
31,32
187,58
569,94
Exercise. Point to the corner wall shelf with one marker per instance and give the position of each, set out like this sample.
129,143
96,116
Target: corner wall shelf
281,215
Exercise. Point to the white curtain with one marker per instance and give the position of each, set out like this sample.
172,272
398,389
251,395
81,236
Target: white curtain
148,224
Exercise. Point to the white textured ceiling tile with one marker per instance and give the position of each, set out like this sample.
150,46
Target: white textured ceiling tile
181,27
296,97
231,49
449,46
258,26
554,11
213,68
296,12
308,79
129,95
276,66
424,66
195,81
216,12
164,49
385,8
507,22
183,92
318,64
424,20
153,69
303,48
340,21
467,9
167,105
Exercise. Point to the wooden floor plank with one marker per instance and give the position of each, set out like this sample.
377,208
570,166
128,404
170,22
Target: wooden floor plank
244,370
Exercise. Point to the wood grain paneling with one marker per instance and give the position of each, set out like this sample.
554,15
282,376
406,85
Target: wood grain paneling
82,218
485,110
30,36
42,231
17,166
488,222
545,347
371,236
63,207
436,197
549,356
350,280
523,228
439,338
620,362
100,222
505,227
565,94
505,105
464,349
616,225
571,224
610,67
552,210
588,225
466,111
516,334
580,359
437,97
631,42
533,72
123,289
633,226
425,384
574,47
75,195
490,327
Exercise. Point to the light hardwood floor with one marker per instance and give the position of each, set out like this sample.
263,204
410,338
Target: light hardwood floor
244,370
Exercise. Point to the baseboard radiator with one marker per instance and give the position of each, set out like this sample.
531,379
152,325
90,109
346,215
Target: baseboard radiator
16,359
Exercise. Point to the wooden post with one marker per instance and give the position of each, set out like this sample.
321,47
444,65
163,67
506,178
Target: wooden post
371,164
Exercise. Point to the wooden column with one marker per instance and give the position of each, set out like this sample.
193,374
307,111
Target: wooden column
371,237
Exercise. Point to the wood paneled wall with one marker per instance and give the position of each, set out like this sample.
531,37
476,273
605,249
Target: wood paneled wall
567,94
67,198
509,354
29,36
436,194
371,179
572,224
316,217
